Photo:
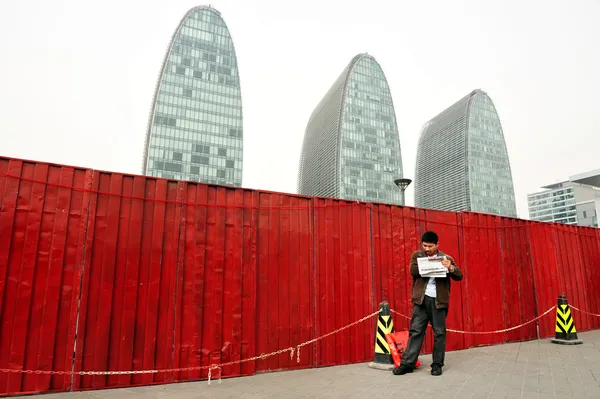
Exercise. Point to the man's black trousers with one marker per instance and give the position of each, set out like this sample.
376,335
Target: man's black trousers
421,316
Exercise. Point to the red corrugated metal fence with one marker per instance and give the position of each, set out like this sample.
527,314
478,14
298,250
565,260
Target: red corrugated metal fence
104,271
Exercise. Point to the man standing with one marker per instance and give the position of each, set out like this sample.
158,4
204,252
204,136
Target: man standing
430,297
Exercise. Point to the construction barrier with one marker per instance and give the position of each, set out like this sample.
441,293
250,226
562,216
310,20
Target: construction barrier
566,333
397,343
113,280
383,327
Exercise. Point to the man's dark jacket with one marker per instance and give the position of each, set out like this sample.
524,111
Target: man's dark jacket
442,285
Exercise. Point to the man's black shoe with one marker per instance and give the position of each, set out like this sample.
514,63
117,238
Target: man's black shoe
403,369
436,370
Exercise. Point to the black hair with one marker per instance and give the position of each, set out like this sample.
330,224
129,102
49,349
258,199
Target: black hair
430,237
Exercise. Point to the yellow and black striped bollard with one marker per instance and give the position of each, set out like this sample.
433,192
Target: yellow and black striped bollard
385,325
566,333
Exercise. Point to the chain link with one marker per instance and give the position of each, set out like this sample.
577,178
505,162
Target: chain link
210,368
400,314
292,350
491,332
583,311
339,329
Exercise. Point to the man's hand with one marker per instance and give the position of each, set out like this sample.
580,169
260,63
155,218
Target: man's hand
448,265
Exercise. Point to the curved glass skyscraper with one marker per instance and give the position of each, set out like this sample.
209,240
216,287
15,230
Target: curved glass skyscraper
351,147
195,130
462,161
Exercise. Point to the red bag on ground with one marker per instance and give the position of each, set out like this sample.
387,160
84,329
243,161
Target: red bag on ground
397,342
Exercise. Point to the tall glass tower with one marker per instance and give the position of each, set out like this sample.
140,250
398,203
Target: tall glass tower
195,129
462,161
351,147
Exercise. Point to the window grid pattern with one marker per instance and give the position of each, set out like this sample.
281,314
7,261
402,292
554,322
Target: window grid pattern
553,206
490,178
318,172
351,147
196,130
441,170
462,161
370,144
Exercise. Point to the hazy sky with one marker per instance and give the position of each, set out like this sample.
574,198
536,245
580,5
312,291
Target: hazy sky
77,77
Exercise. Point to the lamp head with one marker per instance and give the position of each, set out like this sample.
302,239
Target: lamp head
402,183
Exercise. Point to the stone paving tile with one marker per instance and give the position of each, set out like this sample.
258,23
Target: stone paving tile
536,369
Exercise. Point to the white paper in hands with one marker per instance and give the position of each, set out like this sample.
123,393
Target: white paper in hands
432,266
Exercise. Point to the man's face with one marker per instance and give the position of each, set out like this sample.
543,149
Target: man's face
430,248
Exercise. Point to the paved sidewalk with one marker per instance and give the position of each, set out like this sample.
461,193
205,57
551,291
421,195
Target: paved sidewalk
536,369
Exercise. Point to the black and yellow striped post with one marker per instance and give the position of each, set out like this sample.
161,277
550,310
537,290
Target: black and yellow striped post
566,333
385,325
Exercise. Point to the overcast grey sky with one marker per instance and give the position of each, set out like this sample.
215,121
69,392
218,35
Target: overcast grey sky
77,77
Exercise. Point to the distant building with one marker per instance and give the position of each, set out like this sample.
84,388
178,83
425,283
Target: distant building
574,201
462,161
195,130
351,147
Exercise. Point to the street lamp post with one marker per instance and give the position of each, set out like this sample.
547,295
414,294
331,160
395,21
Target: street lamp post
402,184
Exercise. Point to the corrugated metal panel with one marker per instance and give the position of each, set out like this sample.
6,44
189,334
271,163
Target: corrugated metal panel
576,272
484,280
173,274
216,294
344,270
590,253
42,224
575,255
569,269
518,285
127,307
546,275
284,250
392,249
408,240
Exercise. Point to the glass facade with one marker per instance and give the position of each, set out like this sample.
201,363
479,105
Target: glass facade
195,130
490,178
568,202
370,158
441,172
556,205
462,160
351,147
